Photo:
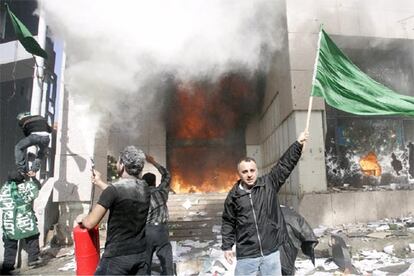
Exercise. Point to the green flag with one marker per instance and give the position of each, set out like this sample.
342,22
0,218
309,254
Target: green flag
345,87
25,37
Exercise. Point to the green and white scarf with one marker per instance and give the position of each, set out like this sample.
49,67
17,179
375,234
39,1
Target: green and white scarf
16,202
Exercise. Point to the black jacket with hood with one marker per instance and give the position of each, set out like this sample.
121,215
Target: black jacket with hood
34,123
254,220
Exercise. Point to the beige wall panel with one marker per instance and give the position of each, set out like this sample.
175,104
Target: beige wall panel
316,209
343,205
364,209
253,134
349,21
387,203
301,90
302,50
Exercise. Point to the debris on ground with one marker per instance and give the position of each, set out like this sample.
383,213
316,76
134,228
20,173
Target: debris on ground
383,247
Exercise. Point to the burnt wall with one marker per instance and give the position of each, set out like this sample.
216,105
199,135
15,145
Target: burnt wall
351,138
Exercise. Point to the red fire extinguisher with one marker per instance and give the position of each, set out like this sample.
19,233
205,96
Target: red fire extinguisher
87,249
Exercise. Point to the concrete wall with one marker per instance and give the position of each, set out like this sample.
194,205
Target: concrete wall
353,207
284,117
76,145
290,78
341,18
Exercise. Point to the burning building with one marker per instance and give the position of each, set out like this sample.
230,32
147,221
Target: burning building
200,127
206,125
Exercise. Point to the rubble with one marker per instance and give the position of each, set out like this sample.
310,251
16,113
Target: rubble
187,204
382,247
71,266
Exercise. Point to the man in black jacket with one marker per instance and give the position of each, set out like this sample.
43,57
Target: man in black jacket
37,133
252,217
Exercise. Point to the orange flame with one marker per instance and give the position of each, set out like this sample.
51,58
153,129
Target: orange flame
206,134
200,114
369,164
203,169
180,186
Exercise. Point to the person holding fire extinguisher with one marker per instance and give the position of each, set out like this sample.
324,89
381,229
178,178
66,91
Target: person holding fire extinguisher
128,201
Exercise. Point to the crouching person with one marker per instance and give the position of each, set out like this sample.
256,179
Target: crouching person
128,202
19,219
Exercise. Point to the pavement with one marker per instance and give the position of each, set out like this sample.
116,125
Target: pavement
383,247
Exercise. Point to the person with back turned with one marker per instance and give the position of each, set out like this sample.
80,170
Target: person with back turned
37,133
157,233
19,220
252,218
128,202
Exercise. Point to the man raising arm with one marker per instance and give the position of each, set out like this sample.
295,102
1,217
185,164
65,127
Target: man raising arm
252,218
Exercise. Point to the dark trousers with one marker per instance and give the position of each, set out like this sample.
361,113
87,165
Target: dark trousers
32,140
158,241
134,264
10,251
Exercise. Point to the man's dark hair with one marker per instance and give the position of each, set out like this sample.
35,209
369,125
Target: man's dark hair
133,159
149,178
16,177
246,159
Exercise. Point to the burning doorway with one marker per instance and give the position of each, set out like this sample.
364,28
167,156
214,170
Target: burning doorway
206,125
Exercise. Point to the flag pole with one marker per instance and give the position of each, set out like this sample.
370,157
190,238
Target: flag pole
315,68
309,113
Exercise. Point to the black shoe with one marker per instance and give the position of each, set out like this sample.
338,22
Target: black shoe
36,165
7,270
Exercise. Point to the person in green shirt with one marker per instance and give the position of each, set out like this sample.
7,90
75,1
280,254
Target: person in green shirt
18,218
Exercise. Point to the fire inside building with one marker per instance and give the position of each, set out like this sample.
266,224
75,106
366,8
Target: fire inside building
373,150
205,132
206,122
207,125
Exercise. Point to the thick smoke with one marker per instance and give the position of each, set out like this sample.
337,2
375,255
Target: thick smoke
120,52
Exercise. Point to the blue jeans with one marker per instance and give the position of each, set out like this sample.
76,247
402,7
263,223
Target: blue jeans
134,264
32,140
267,265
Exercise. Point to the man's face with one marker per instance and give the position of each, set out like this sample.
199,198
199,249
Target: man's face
248,172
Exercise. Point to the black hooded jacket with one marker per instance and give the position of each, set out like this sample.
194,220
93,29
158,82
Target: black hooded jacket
301,237
35,123
258,231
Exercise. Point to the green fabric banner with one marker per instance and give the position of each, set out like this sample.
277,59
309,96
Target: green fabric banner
345,87
25,37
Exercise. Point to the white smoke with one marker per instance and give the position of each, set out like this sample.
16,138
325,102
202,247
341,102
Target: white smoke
116,49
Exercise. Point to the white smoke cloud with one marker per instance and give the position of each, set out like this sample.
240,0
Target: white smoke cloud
123,39
116,49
